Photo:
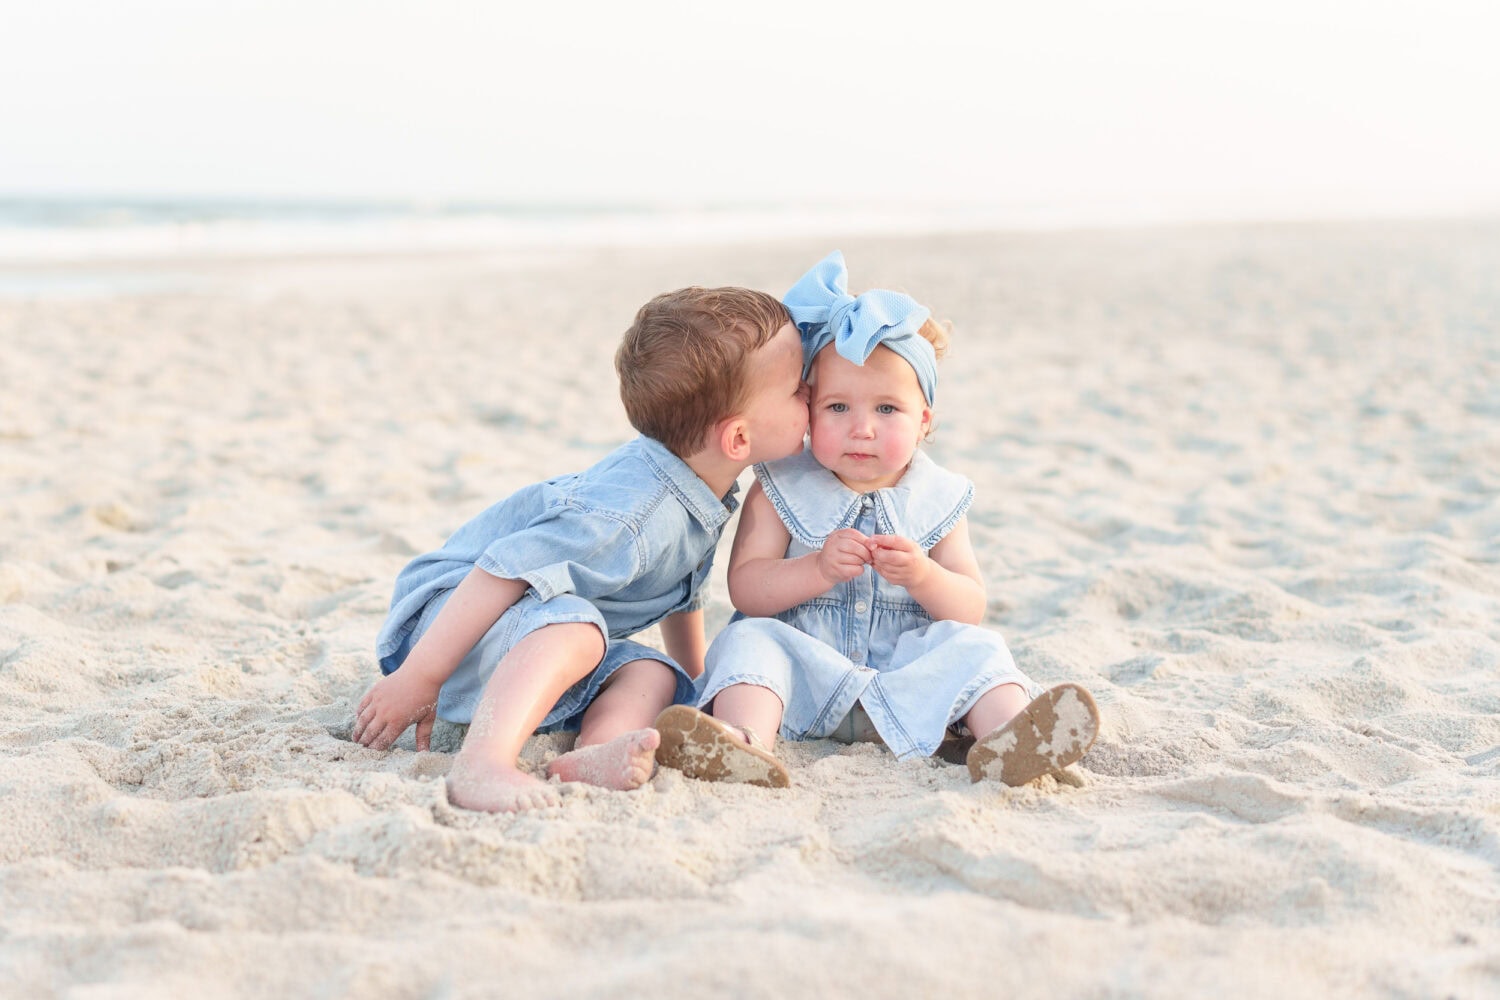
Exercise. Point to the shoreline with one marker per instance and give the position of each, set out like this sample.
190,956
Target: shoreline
232,244
319,272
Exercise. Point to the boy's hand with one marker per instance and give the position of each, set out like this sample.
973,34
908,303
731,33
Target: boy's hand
900,561
844,555
395,702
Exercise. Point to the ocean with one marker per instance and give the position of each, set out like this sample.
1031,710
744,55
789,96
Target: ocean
52,247
56,230
68,246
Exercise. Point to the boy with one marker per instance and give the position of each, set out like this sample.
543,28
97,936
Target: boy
518,622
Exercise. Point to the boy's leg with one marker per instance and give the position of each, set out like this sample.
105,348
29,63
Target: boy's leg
632,697
527,682
616,745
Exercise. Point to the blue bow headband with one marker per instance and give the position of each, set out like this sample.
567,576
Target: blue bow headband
826,313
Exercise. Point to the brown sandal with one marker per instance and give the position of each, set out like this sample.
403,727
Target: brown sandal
1055,730
701,746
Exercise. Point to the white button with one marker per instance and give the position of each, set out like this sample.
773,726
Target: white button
861,607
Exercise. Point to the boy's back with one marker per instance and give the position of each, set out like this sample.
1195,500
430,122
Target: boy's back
634,534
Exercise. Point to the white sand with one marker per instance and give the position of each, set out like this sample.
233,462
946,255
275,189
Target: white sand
1242,483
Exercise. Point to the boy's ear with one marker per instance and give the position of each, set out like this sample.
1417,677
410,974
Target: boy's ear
733,436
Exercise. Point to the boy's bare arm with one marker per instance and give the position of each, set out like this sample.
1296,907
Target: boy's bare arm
946,581
682,634
410,694
762,581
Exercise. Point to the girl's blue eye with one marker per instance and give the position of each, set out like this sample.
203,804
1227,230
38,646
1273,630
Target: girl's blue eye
838,407
886,408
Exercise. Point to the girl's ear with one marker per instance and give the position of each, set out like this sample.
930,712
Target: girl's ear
926,421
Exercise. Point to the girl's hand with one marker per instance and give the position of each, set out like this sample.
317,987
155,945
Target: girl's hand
900,561
844,556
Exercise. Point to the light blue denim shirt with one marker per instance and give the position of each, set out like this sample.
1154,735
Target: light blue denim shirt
634,534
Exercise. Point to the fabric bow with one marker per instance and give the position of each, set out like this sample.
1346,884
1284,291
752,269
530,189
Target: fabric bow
825,313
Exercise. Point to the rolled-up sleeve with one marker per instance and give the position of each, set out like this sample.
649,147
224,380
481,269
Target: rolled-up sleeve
569,550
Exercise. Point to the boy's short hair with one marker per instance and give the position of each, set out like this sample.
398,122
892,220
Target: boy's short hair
684,364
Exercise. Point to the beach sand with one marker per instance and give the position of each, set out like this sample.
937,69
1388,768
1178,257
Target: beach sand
1243,483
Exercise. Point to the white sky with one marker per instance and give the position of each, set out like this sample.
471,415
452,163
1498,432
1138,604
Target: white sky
1245,108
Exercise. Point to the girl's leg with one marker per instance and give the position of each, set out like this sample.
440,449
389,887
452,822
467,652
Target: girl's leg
752,707
995,708
732,744
752,664
1053,730
616,745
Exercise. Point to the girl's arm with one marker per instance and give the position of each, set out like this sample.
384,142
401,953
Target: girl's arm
946,581
763,581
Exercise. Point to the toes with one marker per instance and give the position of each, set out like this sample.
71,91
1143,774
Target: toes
647,739
538,798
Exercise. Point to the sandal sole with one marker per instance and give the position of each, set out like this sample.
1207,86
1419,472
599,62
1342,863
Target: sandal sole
1055,730
702,747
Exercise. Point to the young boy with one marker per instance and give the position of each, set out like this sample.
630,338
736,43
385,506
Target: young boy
519,622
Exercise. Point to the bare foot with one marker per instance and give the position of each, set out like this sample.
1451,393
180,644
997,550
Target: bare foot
479,784
395,702
623,763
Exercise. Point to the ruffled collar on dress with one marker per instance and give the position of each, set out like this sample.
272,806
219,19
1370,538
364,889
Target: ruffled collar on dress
813,503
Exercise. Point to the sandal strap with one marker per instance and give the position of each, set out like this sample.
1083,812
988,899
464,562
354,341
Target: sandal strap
751,736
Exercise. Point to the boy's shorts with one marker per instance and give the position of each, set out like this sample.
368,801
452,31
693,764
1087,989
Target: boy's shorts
460,694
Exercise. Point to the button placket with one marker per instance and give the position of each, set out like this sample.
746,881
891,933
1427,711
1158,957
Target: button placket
861,595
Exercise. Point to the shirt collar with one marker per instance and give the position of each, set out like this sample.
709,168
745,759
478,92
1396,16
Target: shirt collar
710,511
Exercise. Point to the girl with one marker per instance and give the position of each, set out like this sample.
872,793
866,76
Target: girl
857,589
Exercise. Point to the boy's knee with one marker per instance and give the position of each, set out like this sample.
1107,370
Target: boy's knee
574,639
644,678
653,674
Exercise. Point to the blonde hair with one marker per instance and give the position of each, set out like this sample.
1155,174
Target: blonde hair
938,334
685,362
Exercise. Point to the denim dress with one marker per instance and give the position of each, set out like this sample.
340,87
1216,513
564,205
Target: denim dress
621,546
865,641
